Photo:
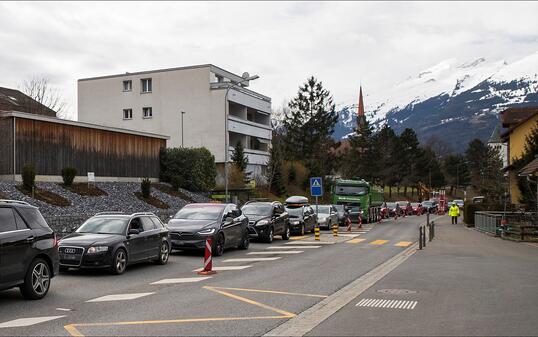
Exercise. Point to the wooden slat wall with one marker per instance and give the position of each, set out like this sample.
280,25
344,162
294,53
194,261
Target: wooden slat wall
52,146
6,146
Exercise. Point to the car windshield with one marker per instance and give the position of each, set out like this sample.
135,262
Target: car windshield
415,204
351,190
339,208
295,212
324,209
458,201
101,225
199,213
391,204
257,209
427,203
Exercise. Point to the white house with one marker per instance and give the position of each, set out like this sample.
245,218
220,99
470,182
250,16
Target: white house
187,104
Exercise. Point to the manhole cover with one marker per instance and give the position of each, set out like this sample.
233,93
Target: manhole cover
397,291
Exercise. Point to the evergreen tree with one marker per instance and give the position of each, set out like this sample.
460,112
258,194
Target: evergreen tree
384,156
275,176
238,157
358,160
407,159
485,168
456,171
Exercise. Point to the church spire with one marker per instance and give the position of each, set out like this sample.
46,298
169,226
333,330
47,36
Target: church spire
360,111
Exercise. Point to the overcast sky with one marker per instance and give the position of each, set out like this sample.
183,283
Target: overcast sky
343,44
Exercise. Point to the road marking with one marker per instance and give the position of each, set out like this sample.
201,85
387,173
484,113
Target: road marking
404,244
271,292
307,320
389,304
356,241
310,243
293,247
252,259
119,297
20,322
298,237
276,252
181,280
379,242
63,309
347,235
225,268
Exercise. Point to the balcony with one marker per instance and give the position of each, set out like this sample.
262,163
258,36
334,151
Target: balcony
255,157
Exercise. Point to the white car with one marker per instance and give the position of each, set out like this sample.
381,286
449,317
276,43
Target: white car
327,216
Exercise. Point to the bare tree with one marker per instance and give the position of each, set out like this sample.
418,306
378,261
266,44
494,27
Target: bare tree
40,89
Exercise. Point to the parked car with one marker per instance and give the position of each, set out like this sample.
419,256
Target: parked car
458,202
267,219
224,223
302,217
405,207
430,206
417,208
28,250
327,216
479,200
341,213
389,209
114,241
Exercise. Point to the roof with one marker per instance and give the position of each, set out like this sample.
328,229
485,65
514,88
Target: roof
529,114
530,169
516,115
14,100
17,114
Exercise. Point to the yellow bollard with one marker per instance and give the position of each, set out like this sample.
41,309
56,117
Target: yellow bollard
335,230
316,233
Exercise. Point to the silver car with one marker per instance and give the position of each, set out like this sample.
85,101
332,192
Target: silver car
327,216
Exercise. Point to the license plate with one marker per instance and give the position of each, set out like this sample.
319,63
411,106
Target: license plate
70,257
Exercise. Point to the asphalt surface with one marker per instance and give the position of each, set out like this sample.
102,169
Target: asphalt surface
464,283
208,307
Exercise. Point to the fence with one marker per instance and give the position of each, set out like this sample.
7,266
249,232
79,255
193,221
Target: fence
67,224
490,221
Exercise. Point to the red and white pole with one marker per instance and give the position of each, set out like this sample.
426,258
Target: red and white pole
208,264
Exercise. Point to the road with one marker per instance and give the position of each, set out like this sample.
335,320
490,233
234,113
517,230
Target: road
193,307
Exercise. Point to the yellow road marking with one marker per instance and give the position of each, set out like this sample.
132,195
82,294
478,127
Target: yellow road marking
272,292
355,240
249,301
404,244
379,242
73,331
298,237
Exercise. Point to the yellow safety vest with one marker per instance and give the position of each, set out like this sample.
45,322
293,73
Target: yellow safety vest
454,211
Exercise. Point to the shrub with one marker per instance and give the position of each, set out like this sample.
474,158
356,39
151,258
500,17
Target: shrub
68,175
28,177
145,187
236,178
193,169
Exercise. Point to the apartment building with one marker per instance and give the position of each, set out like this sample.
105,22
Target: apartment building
187,104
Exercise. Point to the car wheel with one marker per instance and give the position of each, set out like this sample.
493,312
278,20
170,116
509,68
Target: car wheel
218,246
302,230
270,235
286,234
245,243
164,253
119,263
37,281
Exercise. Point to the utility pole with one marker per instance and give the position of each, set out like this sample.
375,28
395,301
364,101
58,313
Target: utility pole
182,113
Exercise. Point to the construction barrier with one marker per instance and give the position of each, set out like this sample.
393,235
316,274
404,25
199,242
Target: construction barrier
208,264
335,230
316,233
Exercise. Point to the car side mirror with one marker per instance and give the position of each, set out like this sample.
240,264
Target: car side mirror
134,231
229,218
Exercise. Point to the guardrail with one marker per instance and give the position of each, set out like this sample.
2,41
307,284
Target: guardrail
490,221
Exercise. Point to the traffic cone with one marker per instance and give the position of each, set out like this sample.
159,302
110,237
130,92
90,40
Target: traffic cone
208,264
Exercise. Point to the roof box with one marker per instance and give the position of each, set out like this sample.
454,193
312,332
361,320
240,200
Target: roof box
297,200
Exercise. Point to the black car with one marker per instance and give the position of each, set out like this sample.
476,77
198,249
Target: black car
28,250
225,224
115,241
266,219
431,206
302,218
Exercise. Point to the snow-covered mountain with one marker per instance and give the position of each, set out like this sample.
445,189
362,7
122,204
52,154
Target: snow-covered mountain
454,100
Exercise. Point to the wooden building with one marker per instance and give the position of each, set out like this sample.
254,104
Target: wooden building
50,144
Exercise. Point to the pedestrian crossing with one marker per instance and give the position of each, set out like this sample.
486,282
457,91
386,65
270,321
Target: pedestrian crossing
388,304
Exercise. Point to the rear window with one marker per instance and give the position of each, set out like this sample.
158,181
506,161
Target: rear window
33,217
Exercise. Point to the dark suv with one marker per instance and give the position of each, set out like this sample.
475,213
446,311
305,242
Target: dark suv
28,250
267,219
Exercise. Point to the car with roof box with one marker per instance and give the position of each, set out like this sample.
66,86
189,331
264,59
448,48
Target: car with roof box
302,216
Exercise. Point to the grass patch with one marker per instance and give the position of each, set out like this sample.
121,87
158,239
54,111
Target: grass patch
170,191
46,196
153,201
85,190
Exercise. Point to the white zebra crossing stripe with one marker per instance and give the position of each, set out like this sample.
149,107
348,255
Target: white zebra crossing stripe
181,280
20,322
225,268
309,243
253,259
293,247
389,304
119,297
270,252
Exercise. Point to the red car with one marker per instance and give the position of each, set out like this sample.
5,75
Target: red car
417,208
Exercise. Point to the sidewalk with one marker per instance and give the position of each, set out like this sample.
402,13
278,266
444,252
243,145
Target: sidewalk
463,282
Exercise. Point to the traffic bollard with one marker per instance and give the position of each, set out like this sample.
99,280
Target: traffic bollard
208,264
420,237
335,230
316,233
432,228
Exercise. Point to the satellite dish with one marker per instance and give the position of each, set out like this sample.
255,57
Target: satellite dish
245,75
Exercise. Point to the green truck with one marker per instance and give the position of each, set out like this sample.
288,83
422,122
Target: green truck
359,197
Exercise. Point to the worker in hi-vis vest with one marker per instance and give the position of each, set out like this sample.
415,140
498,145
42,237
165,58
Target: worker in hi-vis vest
454,212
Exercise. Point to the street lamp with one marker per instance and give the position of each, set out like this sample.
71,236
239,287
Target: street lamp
246,77
182,113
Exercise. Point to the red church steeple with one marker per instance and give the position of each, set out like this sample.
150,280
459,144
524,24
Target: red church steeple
360,110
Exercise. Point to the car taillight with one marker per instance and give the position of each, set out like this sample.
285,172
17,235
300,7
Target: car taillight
55,241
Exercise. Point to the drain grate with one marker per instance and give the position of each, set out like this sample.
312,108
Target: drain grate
397,291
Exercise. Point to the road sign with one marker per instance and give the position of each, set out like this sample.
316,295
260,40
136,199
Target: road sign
316,187
91,177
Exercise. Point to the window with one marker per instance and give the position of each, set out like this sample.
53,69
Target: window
127,113
20,222
145,84
157,222
147,112
7,220
127,85
33,217
147,224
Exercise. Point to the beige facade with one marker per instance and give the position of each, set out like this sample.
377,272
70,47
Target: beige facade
198,91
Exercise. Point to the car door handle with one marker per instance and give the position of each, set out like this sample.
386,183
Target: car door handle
30,239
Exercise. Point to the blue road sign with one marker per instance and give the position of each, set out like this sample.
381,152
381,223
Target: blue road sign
316,187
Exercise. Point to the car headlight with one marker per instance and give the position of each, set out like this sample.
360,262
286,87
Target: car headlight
208,231
97,249
295,222
262,222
